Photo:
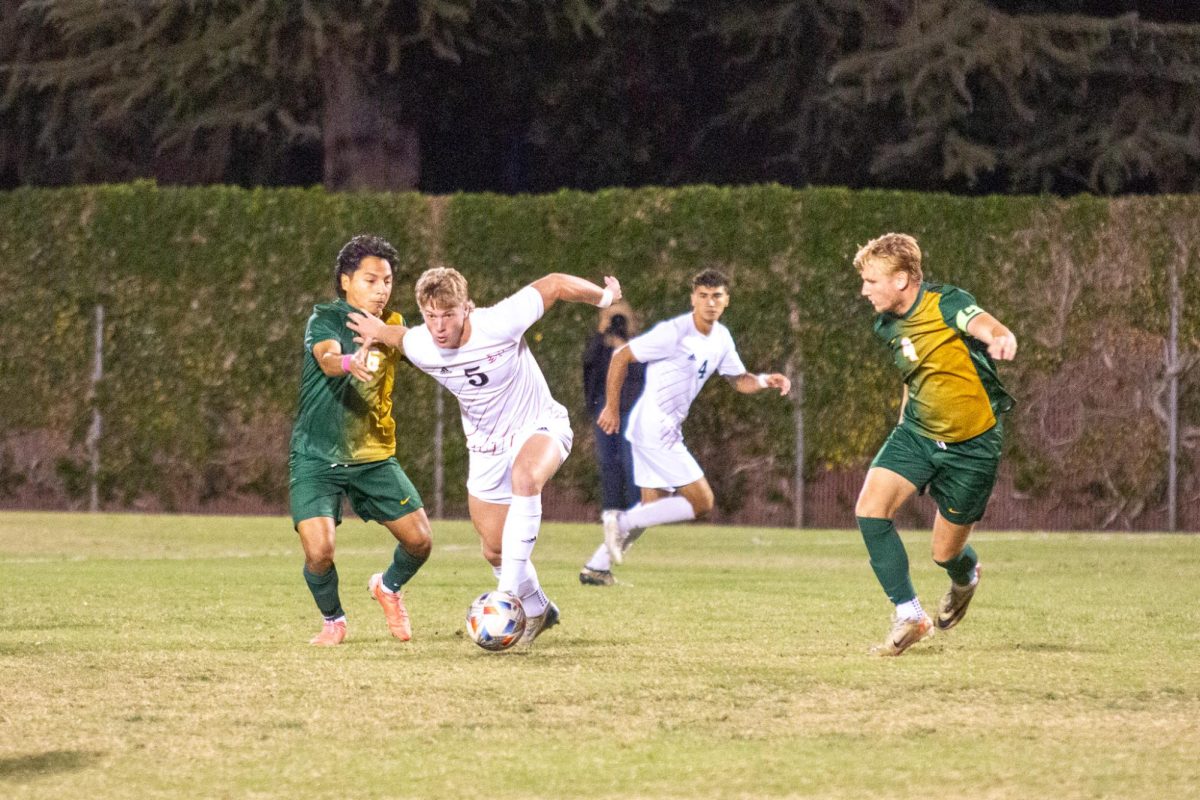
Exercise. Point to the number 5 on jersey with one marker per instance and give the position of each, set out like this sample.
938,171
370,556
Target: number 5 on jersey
475,377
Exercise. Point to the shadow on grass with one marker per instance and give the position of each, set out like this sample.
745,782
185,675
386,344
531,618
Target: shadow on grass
48,763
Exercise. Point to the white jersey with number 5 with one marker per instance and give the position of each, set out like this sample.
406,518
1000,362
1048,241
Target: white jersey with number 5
679,359
500,387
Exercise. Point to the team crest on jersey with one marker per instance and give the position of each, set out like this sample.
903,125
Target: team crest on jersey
491,357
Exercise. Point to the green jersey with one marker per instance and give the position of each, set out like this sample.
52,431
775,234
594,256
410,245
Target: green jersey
343,420
954,393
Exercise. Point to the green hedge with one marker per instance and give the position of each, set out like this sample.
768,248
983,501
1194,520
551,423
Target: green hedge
207,290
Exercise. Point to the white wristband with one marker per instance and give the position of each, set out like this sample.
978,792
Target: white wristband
762,380
606,299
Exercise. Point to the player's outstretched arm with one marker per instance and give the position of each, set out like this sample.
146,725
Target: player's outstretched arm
1001,342
334,363
748,383
560,286
372,329
618,367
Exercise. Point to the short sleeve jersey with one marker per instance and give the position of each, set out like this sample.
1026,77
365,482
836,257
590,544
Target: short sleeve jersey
954,392
343,420
500,388
679,359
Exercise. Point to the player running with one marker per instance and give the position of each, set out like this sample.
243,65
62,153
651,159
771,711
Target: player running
344,443
517,434
949,435
680,354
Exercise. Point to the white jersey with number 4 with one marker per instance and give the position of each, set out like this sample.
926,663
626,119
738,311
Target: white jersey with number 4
679,359
500,387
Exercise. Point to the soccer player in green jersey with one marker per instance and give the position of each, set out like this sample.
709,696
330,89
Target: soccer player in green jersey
949,436
344,443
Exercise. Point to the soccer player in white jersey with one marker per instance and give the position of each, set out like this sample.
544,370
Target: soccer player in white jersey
680,355
518,435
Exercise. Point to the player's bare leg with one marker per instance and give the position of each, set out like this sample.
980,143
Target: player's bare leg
317,536
952,553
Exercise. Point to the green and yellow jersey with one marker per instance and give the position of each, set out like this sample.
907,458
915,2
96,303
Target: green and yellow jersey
343,420
954,393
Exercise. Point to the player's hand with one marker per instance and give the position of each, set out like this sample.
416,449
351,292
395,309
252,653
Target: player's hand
613,285
360,366
367,325
1003,348
779,381
609,420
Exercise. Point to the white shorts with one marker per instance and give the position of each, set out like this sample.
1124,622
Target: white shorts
664,467
489,475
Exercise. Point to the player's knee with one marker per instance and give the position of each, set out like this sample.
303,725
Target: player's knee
868,506
702,503
421,547
525,483
423,539
319,563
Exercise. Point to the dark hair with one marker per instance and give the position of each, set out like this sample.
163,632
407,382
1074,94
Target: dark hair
710,278
354,251
618,325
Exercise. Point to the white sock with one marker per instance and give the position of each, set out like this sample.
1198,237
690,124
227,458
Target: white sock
533,599
530,593
661,512
910,610
600,561
517,541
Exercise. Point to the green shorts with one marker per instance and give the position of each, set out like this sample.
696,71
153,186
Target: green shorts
959,476
378,490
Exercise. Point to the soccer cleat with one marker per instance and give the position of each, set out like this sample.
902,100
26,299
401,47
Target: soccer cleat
904,634
333,632
614,537
393,608
953,606
535,626
596,577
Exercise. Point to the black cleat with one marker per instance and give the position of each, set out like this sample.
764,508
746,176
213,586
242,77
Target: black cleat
596,577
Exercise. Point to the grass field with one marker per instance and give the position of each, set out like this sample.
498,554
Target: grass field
155,656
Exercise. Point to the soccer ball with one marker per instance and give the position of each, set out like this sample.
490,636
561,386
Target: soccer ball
495,621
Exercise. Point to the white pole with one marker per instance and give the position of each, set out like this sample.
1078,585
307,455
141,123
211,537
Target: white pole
93,435
797,379
1173,398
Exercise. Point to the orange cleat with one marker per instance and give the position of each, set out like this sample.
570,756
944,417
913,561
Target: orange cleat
393,608
333,632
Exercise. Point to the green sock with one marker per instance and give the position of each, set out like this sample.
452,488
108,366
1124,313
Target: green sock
404,565
888,558
324,590
962,567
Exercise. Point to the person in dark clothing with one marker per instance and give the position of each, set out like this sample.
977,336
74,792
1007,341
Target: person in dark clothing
613,455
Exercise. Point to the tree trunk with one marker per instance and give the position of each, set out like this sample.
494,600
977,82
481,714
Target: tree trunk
367,143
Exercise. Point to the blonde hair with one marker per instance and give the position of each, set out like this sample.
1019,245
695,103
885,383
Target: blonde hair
899,250
443,287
